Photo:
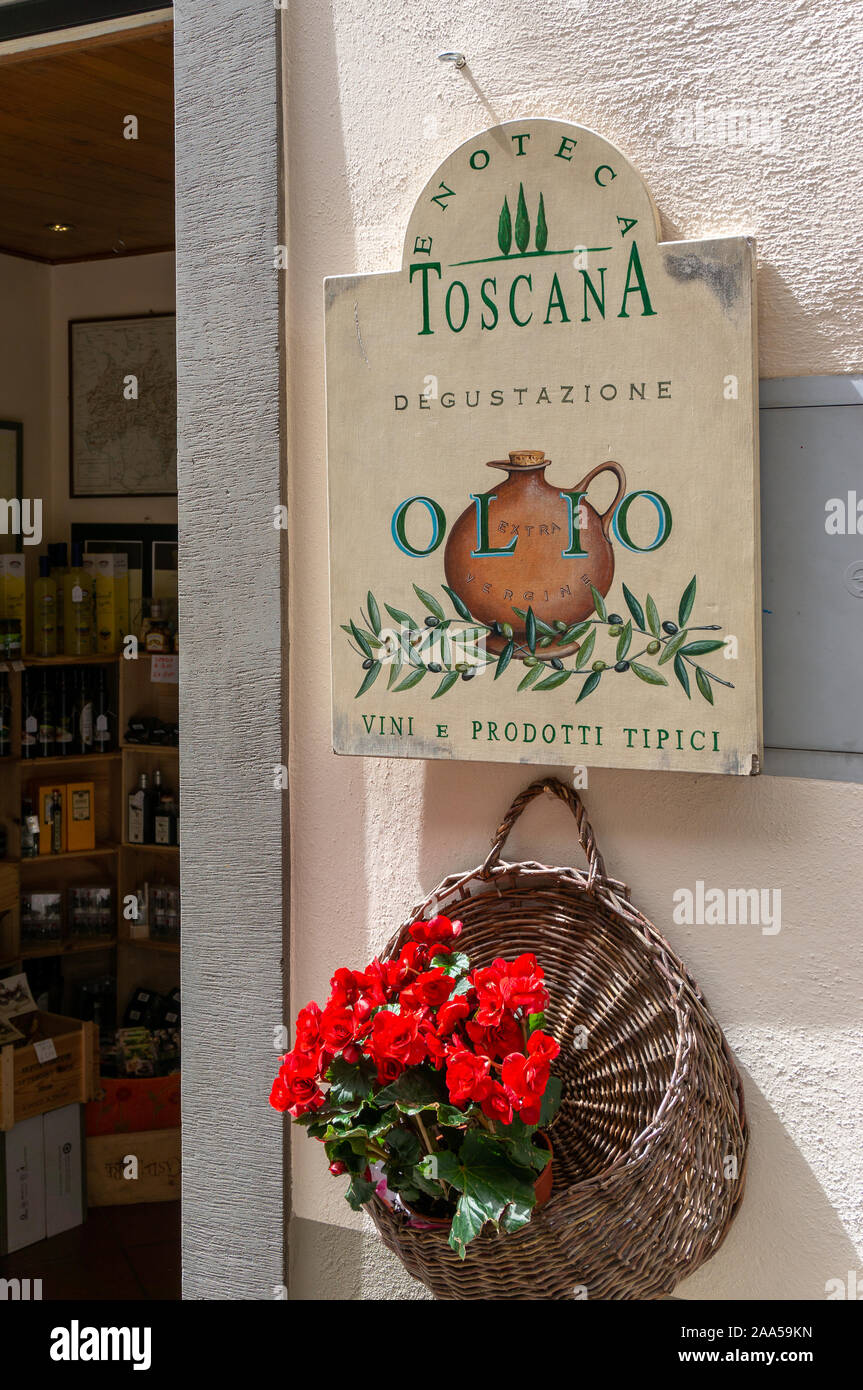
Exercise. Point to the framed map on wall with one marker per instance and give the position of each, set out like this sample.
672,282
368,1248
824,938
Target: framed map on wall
123,407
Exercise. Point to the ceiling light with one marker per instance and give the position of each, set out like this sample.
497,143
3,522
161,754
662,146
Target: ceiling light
59,226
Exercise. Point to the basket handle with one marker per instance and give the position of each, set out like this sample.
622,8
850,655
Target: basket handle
595,861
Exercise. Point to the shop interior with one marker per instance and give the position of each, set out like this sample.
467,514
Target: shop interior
89,769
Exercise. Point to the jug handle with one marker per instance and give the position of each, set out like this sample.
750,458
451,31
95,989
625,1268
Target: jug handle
605,518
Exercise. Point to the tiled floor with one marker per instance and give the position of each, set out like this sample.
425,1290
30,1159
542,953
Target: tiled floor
124,1252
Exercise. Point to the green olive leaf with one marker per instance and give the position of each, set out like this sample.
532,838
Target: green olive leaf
574,633
458,604
701,648
361,640
599,604
686,603
589,685
430,602
530,624
672,647
624,640
413,679
647,673
374,613
585,651
704,685
634,607
404,619
653,617
682,674
554,680
504,659
533,673
371,676
446,684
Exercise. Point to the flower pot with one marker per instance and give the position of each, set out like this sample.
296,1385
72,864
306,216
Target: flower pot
537,573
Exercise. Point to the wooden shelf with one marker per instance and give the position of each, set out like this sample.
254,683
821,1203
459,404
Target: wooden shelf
146,943
66,854
52,763
156,849
68,948
160,748
93,659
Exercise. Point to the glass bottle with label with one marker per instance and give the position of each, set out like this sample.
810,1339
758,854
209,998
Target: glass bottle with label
45,716
83,742
29,830
58,560
103,718
64,717
56,821
29,722
157,633
78,625
45,611
141,807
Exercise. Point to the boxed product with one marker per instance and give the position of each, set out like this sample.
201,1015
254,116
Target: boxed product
110,574
80,815
13,592
65,1192
46,817
22,1185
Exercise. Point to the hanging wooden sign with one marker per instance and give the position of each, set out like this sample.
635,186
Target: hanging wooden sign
594,599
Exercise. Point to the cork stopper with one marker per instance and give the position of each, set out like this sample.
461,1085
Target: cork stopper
522,459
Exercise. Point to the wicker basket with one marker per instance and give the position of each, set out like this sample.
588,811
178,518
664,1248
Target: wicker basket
652,1126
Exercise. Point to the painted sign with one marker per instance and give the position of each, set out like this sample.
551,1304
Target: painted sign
594,600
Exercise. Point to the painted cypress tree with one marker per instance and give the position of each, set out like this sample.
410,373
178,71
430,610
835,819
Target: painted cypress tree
504,229
541,228
522,221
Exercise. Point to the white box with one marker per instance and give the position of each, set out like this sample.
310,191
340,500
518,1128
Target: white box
22,1185
65,1199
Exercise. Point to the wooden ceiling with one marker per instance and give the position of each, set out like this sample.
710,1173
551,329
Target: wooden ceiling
63,157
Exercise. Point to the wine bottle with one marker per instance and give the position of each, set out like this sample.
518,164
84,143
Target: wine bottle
45,726
5,717
64,717
56,814
29,722
141,813
83,716
103,720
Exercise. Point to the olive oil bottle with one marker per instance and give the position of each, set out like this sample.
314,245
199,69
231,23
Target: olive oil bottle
45,611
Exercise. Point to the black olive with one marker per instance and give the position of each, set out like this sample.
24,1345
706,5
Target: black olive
435,668
670,628
615,618
556,663
622,666
468,675
368,664
497,630
432,622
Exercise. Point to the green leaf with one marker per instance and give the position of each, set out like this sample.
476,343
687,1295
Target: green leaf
551,1101
634,607
504,659
647,673
535,1021
541,236
504,229
599,604
530,624
653,617
704,685
516,1216
458,604
522,222
371,676
395,670
701,648
359,1192
624,641
374,613
544,629
404,1145
533,673
413,679
451,1115
554,680
589,686
686,603
350,1082
449,680
430,602
585,651
488,1180
455,963
400,617
574,633
673,647
361,640
415,1090
682,674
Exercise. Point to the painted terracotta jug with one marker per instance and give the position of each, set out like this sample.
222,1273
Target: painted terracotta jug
507,549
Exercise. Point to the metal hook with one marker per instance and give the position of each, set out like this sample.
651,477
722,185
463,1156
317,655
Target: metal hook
451,57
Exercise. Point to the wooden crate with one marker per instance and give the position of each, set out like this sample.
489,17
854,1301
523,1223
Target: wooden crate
158,1166
29,1087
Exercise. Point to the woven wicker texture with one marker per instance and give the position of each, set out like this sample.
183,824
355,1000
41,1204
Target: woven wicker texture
652,1116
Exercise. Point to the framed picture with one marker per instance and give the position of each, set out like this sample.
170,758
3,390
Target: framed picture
123,407
151,550
11,479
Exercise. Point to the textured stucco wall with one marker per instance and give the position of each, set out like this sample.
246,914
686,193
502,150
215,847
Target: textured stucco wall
371,113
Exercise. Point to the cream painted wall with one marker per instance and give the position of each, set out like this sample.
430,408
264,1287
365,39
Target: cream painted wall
25,296
371,112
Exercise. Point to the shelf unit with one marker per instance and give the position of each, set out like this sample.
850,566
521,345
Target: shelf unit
135,961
